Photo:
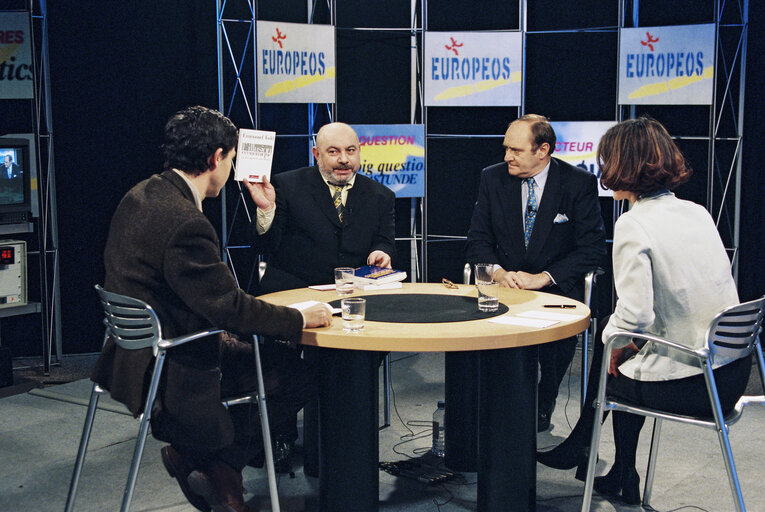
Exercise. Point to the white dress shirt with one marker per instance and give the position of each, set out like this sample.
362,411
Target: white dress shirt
194,191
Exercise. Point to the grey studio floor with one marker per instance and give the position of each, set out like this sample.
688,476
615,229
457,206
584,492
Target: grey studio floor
40,430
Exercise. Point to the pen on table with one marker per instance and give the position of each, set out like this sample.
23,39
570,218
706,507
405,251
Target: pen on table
562,306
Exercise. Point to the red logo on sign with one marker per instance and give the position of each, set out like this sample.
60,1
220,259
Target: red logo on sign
279,37
454,46
650,41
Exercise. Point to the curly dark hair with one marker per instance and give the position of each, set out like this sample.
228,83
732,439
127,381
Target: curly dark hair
638,155
193,135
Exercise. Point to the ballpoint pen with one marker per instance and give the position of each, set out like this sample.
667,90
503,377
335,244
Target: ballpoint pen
562,306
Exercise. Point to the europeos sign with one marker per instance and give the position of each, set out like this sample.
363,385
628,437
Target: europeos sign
473,69
296,63
667,65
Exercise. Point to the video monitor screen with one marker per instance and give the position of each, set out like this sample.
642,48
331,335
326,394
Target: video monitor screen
11,176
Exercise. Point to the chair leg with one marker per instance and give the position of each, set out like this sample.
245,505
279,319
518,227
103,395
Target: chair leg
95,394
135,464
730,467
386,395
266,429
722,435
652,456
585,367
143,431
592,459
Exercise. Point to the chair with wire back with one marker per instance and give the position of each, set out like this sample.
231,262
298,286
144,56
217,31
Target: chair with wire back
733,333
134,325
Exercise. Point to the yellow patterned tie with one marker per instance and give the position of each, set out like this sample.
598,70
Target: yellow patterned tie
337,198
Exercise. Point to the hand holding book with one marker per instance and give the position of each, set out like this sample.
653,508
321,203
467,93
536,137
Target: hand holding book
372,274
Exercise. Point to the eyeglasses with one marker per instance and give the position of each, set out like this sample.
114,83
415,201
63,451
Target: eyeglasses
448,284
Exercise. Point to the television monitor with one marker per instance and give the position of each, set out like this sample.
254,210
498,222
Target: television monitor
15,176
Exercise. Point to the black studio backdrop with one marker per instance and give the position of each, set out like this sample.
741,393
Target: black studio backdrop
119,70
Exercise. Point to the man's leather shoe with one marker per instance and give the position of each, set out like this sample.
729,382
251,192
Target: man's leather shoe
283,455
180,469
544,413
221,486
543,421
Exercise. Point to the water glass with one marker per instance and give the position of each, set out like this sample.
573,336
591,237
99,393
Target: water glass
488,289
344,280
354,310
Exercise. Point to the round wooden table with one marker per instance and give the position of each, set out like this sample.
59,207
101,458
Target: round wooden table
348,396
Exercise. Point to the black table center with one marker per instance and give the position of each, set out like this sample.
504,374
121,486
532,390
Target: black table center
422,308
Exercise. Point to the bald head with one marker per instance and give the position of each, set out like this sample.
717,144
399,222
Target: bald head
333,131
337,153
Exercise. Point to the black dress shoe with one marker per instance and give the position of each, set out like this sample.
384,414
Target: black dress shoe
626,488
565,456
631,488
283,451
543,421
178,468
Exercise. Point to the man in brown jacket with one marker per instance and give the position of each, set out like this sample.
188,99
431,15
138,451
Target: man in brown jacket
163,250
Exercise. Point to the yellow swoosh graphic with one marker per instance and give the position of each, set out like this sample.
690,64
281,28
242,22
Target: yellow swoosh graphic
296,83
390,153
466,90
675,83
7,51
575,157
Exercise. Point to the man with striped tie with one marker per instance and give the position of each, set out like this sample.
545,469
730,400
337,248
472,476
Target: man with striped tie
538,220
314,219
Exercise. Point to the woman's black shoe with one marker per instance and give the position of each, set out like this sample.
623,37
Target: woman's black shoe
626,488
631,488
565,456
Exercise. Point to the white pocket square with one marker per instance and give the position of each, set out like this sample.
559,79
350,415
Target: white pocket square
560,218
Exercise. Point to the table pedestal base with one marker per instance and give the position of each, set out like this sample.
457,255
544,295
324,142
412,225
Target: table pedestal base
461,371
348,433
507,430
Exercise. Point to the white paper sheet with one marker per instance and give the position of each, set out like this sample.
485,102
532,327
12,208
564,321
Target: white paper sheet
302,306
549,315
322,287
525,322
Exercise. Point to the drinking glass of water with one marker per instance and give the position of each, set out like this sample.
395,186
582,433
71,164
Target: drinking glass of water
354,309
488,289
344,280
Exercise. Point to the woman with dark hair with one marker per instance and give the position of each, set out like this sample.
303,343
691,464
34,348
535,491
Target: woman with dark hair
672,276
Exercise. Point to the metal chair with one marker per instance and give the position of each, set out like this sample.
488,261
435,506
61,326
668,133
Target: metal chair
134,325
732,333
589,284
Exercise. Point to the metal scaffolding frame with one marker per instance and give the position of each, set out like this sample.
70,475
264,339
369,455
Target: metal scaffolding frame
46,227
244,96
726,114
725,136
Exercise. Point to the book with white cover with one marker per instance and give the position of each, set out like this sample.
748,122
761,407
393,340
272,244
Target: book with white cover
254,154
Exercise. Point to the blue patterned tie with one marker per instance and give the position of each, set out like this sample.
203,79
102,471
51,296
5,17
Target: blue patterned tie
531,212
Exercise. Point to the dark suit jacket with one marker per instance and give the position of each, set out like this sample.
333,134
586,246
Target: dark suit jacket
307,241
164,251
567,250
15,171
